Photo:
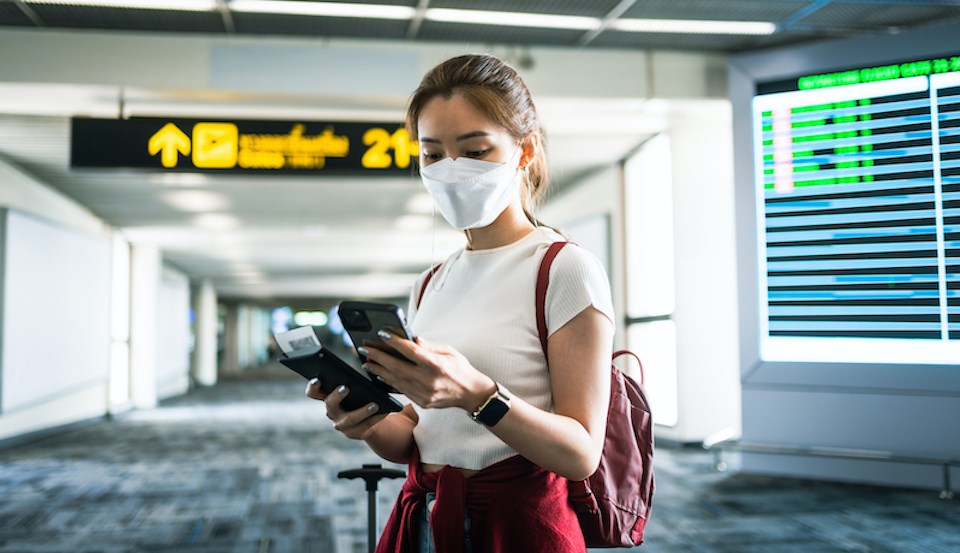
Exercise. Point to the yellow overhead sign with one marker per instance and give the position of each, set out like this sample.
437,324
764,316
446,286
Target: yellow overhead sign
244,146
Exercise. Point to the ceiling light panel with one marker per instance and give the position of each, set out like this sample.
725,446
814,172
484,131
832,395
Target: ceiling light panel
692,26
323,9
196,201
513,19
216,221
489,34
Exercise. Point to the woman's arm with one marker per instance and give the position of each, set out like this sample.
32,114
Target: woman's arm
567,442
392,439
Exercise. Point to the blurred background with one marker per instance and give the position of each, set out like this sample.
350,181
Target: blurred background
773,188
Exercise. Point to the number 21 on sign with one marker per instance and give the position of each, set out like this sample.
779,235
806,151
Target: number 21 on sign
381,142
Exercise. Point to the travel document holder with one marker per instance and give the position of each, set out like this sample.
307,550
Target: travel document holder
316,362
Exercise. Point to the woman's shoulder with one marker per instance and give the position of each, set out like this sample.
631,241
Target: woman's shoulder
572,257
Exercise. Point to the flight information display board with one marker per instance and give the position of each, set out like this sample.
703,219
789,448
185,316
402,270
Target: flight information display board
857,176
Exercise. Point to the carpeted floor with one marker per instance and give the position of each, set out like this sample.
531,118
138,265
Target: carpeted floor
250,466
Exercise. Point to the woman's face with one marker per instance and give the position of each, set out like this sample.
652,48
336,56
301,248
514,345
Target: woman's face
453,127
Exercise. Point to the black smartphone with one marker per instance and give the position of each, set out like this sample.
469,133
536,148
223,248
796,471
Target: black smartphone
362,320
315,362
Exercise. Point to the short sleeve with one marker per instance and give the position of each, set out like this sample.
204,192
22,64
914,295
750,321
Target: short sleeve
577,281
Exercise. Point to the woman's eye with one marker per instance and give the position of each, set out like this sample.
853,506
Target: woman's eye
432,156
476,153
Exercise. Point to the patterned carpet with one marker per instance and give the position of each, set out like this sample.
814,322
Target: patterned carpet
250,466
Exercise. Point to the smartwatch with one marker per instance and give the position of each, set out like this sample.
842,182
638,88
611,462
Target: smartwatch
494,408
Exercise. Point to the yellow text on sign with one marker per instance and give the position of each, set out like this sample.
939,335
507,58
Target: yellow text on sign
381,142
215,145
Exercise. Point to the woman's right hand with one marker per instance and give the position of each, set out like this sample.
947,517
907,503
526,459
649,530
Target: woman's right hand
358,424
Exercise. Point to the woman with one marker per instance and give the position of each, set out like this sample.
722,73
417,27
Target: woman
492,432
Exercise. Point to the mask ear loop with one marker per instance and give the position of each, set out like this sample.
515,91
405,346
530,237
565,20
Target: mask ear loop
433,237
437,282
528,192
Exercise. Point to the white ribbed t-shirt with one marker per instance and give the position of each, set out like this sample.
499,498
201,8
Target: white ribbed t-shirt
482,302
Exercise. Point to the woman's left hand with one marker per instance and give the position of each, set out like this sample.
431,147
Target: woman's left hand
432,375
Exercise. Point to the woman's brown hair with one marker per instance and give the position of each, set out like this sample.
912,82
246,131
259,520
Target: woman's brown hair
498,91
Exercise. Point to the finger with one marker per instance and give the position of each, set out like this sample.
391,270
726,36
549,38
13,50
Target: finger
334,400
387,360
314,390
428,346
411,350
357,416
393,378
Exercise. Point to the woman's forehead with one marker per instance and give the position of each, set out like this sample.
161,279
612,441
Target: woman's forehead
454,116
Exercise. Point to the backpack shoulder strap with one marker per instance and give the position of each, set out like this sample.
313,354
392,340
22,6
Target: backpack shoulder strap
543,280
426,281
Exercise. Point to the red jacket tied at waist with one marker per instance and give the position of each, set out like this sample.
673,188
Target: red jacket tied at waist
514,507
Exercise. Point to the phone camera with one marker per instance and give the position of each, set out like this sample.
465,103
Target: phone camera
354,319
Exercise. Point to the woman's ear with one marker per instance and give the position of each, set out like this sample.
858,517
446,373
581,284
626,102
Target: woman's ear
528,150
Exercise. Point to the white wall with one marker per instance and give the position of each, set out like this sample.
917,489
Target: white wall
706,274
55,328
705,283
56,285
359,70
173,333
62,327
205,307
145,267
20,191
650,260
597,195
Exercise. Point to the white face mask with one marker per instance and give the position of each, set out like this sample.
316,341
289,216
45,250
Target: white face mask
471,193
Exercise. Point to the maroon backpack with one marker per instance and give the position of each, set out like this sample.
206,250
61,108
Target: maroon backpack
614,503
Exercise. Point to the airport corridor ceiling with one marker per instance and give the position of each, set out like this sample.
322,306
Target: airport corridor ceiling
630,24
299,237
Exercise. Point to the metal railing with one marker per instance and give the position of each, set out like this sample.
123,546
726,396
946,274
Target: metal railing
718,446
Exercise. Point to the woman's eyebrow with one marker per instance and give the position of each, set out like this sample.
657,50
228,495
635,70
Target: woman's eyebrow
472,134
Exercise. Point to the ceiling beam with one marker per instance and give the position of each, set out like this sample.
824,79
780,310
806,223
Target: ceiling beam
614,14
801,14
414,29
227,16
31,15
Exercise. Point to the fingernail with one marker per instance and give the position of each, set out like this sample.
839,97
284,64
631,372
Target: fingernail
363,351
342,388
313,381
384,334
372,407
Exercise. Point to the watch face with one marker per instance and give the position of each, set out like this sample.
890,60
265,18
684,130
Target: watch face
493,412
